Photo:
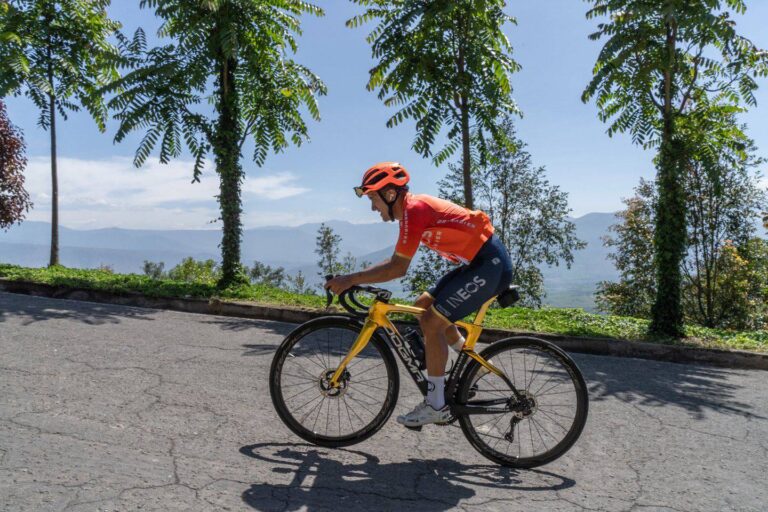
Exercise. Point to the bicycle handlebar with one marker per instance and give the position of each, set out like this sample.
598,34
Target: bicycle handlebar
349,295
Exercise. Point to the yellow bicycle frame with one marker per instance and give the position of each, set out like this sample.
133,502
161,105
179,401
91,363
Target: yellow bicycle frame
378,316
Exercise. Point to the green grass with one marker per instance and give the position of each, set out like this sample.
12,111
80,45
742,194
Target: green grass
571,322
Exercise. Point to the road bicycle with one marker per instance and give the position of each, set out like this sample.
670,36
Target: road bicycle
521,402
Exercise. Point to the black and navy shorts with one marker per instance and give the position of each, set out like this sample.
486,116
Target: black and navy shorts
466,288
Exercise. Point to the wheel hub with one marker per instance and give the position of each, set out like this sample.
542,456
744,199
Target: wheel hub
523,407
333,392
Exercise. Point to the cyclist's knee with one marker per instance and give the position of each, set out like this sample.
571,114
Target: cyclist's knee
432,322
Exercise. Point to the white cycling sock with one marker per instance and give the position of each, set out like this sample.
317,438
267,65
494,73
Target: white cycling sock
459,344
436,392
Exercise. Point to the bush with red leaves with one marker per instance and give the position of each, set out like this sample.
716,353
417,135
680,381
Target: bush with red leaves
14,200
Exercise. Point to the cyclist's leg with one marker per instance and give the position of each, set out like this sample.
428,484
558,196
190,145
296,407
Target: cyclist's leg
452,334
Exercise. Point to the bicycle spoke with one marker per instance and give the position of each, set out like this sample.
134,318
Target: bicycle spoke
300,392
553,420
533,372
536,427
550,434
302,379
369,369
313,409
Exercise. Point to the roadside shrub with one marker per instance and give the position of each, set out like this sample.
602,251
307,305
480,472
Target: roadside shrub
193,271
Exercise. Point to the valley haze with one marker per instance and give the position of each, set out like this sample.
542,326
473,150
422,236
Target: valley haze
125,250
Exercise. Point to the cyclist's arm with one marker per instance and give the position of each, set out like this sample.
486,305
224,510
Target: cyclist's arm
393,268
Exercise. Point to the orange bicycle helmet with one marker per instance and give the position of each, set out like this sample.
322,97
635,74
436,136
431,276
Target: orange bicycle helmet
381,175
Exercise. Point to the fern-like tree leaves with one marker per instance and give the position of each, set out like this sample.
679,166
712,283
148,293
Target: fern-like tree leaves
233,55
58,53
665,69
446,65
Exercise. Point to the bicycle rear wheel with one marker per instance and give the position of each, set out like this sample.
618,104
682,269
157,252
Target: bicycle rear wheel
551,421
299,383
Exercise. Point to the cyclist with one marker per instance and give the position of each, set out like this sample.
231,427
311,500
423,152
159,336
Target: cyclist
464,237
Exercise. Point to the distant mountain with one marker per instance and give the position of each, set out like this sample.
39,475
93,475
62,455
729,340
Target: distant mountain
290,247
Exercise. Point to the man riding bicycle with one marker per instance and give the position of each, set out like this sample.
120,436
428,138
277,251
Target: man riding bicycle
460,235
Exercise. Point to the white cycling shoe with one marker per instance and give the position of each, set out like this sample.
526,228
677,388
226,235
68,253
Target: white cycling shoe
424,414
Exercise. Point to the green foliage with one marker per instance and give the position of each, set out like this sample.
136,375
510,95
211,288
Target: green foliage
571,322
665,67
444,64
327,249
163,92
267,275
528,213
234,54
635,291
722,262
14,199
154,270
193,271
430,267
58,49
57,53
298,284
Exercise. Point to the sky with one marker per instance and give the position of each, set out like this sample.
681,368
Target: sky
99,187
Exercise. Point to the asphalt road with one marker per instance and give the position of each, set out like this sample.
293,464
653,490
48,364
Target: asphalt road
117,408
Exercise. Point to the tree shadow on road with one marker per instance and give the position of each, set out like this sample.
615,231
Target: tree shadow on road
236,324
321,479
39,309
695,388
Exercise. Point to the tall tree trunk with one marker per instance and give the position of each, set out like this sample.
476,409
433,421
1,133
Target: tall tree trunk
669,238
54,260
466,158
227,151
670,235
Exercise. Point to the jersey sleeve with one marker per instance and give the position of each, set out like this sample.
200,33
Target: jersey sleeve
415,221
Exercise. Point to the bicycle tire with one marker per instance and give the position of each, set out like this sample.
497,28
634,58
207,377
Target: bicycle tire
480,435
376,354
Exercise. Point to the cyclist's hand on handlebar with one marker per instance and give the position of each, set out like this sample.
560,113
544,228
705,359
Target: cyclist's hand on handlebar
339,283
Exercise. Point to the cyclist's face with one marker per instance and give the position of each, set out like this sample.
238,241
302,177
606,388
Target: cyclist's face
378,205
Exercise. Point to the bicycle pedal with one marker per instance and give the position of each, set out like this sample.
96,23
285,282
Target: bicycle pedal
415,429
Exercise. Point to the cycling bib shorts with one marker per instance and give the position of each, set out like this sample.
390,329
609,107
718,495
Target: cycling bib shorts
466,288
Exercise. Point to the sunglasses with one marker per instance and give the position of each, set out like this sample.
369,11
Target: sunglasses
359,191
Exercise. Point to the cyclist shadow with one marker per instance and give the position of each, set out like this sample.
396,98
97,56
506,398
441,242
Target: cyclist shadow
322,479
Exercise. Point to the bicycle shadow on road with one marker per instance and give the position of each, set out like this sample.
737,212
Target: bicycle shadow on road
319,478
32,309
695,388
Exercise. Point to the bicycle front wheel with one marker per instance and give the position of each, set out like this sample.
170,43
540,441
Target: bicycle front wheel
546,424
299,383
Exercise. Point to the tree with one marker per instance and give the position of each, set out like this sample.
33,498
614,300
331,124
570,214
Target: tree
14,199
57,53
528,213
327,249
635,291
664,62
154,270
721,266
427,270
444,63
194,271
299,284
723,201
267,275
235,53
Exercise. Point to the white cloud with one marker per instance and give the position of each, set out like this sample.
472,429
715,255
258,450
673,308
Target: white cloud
277,186
104,193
